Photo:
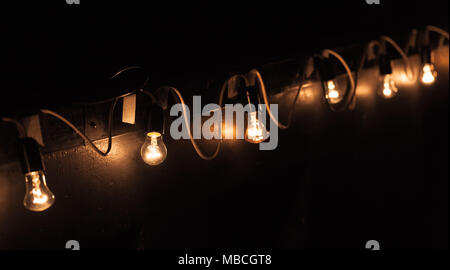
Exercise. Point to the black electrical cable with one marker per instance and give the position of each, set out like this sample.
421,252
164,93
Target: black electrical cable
180,98
262,89
442,32
110,114
351,88
409,71
82,135
348,98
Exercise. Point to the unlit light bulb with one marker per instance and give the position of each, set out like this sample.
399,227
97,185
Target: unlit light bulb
38,196
153,151
428,74
333,94
256,132
388,87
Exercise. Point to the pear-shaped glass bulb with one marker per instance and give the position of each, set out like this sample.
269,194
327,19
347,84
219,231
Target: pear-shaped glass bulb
38,196
153,151
429,74
256,132
386,86
333,95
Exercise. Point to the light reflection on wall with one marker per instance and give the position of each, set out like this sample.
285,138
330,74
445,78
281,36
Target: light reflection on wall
441,57
309,95
88,165
400,75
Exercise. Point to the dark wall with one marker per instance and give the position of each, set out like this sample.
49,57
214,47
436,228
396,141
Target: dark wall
336,181
56,54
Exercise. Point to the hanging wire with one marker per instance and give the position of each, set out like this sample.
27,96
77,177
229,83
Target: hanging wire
181,100
352,93
442,32
224,87
409,71
110,115
252,75
82,135
131,68
152,97
194,144
255,73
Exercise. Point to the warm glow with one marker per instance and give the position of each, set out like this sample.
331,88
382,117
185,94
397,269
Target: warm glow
331,85
428,75
389,87
38,197
387,92
256,132
227,131
154,150
332,94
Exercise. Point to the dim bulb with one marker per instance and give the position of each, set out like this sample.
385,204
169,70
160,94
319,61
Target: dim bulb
153,151
428,74
256,132
387,87
333,94
38,196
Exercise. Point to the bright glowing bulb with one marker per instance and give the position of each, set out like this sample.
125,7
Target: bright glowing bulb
333,95
387,86
256,132
331,85
387,92
428,74
38,196
153,151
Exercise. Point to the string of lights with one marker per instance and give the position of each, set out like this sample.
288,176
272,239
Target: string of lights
256,74
39,197
151,152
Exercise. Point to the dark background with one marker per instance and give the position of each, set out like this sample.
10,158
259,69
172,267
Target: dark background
66,51
336,180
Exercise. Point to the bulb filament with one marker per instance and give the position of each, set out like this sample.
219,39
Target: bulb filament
428,76
255,132
153,149
388,86
333,94
38,197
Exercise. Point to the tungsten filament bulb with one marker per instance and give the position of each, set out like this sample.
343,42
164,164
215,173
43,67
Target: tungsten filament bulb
38,196
428,74
388,89
333,94
256,132
153,151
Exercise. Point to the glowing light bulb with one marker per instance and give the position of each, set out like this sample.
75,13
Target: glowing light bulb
387,86
38,196
428,74
333,94
153,151
256,132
